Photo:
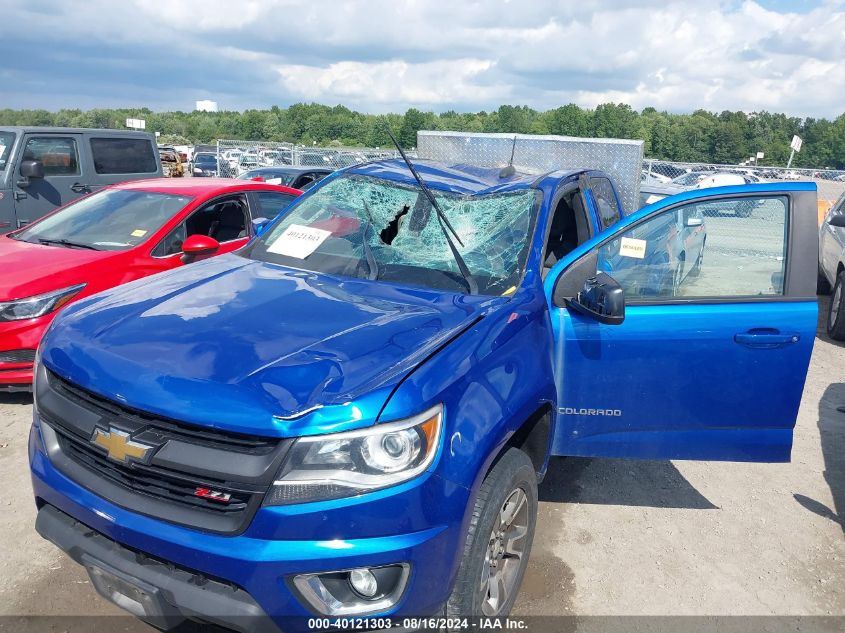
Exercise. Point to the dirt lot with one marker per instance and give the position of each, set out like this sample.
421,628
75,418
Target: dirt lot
614,537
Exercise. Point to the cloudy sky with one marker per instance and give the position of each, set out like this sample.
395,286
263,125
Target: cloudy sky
388,55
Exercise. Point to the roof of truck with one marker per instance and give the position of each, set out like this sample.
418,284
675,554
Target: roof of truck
71,130
459,179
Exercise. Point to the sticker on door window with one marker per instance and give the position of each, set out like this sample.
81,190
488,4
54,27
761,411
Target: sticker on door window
631,247
299,241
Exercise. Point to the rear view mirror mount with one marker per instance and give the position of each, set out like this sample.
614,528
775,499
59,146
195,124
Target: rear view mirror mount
601,298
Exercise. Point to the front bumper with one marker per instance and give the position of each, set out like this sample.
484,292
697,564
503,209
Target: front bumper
20,336
179,593
261,567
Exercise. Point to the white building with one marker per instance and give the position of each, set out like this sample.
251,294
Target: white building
206,106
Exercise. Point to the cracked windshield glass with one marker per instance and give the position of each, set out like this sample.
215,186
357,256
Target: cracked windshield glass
374,229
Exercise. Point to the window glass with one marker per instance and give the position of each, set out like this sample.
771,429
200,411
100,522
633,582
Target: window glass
403,236
109,220
606,201
268,175
720,249
224,220
6,140
58,154
123,156
271,204
838,207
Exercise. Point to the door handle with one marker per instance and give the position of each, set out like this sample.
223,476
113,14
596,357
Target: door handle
78,187
766,338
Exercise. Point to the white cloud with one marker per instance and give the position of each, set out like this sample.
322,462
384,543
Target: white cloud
380,55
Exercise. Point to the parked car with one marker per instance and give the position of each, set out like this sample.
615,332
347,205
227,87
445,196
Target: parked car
118,234
654,178
171,163
651,192
832,267
314,158
296,177
205,165
276,157
247,162
44,168
311,426
707,179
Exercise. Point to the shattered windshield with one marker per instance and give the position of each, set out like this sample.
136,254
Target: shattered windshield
359,226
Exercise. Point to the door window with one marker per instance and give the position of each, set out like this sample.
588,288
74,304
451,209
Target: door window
270,204
605,201
225,220
726,248
123,156
304,181
58,154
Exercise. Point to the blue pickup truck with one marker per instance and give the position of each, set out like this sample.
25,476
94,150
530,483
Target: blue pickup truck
350,416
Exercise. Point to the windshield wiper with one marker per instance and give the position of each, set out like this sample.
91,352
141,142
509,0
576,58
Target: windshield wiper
67,243
372,264
442,220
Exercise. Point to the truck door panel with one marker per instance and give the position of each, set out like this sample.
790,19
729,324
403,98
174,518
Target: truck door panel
61,155
710,360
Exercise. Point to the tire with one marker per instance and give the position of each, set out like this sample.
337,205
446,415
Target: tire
836,311
822,284
512,482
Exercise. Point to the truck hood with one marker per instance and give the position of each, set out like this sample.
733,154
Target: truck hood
253,347
31,269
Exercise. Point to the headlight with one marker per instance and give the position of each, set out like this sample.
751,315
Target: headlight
348,464
37,306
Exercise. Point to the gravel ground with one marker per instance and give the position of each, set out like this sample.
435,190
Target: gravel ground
614,537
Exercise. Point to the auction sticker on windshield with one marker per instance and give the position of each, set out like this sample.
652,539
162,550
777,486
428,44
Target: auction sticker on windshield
298,241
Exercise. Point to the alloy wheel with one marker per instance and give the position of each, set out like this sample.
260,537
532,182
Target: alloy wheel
505,551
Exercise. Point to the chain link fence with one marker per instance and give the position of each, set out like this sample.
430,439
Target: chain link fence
658,173
238,157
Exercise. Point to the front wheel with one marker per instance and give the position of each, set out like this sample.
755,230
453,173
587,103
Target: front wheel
499,541
836,312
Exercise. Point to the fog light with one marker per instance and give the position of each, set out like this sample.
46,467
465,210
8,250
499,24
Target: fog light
363,582
352,592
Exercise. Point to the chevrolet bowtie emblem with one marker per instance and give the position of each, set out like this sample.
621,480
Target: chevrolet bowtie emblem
120,446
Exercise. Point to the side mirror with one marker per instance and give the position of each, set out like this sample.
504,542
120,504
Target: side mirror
32,169
693,221
837,220
601,298
198,247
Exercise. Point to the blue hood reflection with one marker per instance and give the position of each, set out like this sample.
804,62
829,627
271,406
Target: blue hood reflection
254,347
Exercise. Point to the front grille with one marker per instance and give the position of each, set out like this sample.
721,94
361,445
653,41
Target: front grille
170,428
18,356
184,459
152,481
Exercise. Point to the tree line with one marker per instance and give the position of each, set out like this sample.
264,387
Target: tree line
708,137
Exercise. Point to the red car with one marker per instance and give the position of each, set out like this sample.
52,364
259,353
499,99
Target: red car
116,235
